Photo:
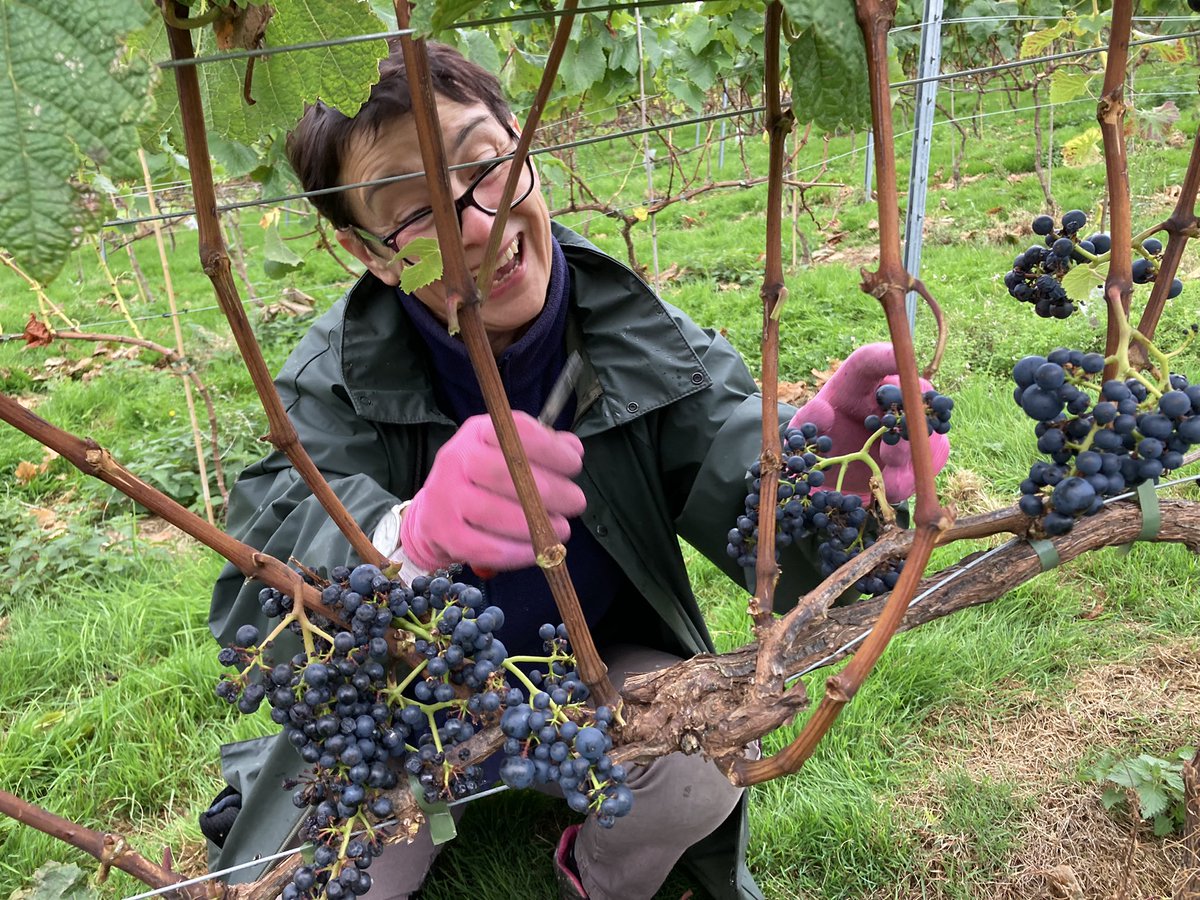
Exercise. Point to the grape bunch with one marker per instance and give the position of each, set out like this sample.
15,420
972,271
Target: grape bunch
362,720
892,418
552,738
1145,267
1036,275
804,508
1102,438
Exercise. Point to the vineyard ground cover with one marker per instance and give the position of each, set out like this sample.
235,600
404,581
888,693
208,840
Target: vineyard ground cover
106,712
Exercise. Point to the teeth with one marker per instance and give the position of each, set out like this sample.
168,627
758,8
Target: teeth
509,254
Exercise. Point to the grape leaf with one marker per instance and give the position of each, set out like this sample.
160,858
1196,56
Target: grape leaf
57,881
1067,86
1037,42
1078,284
72,93
1168,51
278,258
480,49
828,68
1157,123
583,64
1083,149
428,267
282,84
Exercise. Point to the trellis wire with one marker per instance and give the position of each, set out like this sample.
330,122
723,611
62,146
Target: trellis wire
566,145
384,35
548,14
284,854
938,122
855,641
708,117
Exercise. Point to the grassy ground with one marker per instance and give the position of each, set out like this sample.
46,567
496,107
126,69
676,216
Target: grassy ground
960,771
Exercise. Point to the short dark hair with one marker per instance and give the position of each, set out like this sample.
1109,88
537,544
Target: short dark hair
317,146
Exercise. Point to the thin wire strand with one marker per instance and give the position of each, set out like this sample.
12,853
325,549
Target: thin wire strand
341,188
853,642
385,35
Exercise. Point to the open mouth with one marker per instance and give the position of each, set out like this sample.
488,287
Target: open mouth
508,263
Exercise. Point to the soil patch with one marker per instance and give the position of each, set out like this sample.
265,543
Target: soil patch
1070,846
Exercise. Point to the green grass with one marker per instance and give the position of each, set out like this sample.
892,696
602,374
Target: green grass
106,709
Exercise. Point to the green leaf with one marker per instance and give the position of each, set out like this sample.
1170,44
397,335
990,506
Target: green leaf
1112,797
1067,86
829,73
278,258
427,268
583,64
698,33
1078,284
1163,825
236,158
447,12
57,881
481,50
1152,800
71,93
284,83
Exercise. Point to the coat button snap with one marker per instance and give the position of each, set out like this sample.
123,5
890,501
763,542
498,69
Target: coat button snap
632,406
697,377
602,530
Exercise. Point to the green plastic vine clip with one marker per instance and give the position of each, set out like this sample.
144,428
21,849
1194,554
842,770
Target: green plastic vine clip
441,822
1046,552
1147,498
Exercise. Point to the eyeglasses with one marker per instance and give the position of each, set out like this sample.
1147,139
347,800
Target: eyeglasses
484,193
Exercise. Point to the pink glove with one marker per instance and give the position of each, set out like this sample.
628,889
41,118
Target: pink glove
838,410
467,510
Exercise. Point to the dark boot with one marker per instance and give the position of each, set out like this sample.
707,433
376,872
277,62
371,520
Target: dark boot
570,887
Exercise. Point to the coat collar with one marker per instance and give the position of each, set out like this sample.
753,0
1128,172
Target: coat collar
636,358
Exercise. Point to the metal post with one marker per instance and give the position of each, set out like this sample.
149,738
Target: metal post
647,153
869,168
721,152
918,176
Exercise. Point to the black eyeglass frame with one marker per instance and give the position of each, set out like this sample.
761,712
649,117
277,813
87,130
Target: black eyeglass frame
466,199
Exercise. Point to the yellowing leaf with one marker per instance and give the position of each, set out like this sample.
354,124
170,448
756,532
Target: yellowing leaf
1067,86
27,471
1036,42
641,214
1168,51
270,217
1083,149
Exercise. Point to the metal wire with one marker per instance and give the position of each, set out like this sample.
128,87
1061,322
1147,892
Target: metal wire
566,145
1032,61
384,35
854,642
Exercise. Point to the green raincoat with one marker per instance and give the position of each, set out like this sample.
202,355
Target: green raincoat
669,419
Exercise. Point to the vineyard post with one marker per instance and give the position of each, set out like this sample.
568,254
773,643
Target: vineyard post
922,141
888,284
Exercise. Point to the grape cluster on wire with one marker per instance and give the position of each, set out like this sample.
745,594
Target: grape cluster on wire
362,722
805,508
1037,273
1103,439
